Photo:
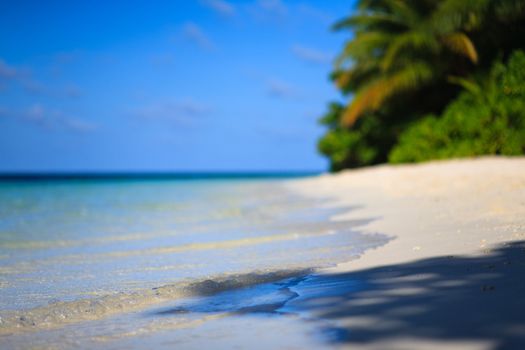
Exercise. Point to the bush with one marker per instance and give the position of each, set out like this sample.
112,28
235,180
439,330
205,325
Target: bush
368,143
486,119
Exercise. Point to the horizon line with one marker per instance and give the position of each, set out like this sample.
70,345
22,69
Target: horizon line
154,175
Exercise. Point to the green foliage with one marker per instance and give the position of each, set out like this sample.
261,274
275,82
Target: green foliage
365,144
406,62
401,46
489,120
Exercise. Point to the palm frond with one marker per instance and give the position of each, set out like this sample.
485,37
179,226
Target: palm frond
465,83
402,9
362,46
372,96
357,75
415,39
452,15
370,21
509,9
460,43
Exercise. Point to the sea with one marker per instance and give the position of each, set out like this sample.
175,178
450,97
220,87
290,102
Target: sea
164,260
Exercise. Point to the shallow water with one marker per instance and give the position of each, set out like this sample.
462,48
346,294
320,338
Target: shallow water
77,251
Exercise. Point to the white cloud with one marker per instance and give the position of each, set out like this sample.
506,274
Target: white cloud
194,33
181,113
276,7
7,71
67,57
79,125
279,88
73,91
23,77
33,87
48,118
192,107
311,55
35,114
221,7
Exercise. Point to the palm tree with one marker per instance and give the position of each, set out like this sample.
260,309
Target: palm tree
401,46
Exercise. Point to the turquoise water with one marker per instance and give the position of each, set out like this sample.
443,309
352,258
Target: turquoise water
67,241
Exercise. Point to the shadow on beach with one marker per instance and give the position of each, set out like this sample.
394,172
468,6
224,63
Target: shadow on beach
443,299
452,301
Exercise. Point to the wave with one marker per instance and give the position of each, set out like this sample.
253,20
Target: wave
58,314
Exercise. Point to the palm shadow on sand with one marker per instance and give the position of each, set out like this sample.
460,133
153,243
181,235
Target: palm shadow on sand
462,299
440,299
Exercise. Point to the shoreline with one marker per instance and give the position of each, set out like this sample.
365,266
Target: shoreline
451,277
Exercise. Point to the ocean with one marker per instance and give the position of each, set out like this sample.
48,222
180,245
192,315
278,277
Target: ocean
80,252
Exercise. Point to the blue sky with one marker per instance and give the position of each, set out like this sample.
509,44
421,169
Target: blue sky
165,85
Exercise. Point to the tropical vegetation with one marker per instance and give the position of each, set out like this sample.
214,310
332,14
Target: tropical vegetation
428,79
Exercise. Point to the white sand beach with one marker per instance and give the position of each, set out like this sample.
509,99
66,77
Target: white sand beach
431,209
453,275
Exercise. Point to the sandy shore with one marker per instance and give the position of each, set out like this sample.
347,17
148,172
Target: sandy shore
454,274
432,209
